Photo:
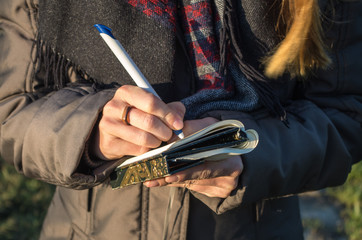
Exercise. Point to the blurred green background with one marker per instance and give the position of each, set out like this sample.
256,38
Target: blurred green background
23,204
350,195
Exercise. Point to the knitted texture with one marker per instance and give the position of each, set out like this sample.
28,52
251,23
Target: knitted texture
201,25
147,29
198,22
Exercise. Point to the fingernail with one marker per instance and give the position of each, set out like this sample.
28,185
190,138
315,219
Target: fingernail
151,184
171,179
178,124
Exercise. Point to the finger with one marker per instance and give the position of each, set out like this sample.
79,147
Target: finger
112,127
155,183
116,109
193,126
178,107
211,191
229,183
149,123
229,167
219,187
149,103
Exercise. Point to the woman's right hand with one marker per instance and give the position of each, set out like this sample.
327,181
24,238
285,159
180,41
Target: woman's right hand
151,122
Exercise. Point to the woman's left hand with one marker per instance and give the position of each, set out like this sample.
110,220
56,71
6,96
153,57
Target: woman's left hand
213,179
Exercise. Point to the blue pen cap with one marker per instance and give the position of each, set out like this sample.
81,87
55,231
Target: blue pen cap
104,29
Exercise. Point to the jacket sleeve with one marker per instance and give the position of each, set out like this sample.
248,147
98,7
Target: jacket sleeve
324,137
42,135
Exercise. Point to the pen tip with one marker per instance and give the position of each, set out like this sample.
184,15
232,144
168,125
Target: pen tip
181,135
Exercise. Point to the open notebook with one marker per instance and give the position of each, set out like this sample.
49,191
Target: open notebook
213,143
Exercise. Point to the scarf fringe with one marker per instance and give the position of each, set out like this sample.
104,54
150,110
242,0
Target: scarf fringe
231,44
56,69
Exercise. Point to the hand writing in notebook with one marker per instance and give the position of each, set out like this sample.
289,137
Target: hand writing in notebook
135,121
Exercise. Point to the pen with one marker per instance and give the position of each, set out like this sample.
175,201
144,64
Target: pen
128,64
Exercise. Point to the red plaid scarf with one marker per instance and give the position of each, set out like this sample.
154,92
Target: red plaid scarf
198,21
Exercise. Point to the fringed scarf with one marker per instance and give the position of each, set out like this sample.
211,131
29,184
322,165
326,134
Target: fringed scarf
225,79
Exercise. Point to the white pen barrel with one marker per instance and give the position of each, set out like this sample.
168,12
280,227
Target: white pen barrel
128,63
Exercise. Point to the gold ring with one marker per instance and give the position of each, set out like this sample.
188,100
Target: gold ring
125,115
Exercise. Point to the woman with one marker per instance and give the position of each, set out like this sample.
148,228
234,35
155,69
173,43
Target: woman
63,96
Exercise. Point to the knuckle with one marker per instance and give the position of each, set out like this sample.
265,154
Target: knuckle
205,173
166,135
122,89
150,102
111,108
236,173
225,194
234,184
141,138
106,146
222,193
142,150
188,183
149,121
169,117
208,194
120,92
192,181
104,124
146,140
123,92
108,107
229,183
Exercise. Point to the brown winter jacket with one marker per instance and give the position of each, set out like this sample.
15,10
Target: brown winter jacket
44,136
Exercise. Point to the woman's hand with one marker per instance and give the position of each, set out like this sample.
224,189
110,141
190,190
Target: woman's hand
151,122
213,179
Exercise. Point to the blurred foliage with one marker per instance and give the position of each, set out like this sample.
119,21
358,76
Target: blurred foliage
350,195
23,204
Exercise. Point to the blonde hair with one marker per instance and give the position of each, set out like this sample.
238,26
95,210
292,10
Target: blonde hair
302,48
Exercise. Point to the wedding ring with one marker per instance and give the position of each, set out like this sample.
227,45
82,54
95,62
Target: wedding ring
125,115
